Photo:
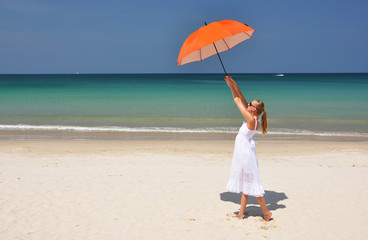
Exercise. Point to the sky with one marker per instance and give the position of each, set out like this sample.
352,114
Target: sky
145,36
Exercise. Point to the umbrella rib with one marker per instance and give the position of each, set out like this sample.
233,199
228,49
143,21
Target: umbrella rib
248,34
225,44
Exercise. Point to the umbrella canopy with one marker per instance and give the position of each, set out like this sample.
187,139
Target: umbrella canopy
213,38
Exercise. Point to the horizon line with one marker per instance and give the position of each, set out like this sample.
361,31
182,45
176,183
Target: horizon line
77,73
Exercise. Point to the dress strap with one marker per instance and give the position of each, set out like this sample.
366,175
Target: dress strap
255,128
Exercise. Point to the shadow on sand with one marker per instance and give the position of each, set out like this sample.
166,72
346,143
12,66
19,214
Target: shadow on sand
253,209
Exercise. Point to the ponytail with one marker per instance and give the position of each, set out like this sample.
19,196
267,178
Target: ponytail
261,108
264,122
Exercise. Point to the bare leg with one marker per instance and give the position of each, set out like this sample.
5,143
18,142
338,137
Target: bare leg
244,200
267,214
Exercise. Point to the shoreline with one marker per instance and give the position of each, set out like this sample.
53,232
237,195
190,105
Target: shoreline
129,136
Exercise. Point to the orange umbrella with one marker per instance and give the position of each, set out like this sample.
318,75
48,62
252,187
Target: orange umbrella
213,38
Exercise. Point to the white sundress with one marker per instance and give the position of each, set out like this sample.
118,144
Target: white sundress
244,176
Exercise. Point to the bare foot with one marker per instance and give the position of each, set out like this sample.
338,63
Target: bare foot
267,216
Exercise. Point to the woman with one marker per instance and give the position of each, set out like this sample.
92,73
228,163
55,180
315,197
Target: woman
244,175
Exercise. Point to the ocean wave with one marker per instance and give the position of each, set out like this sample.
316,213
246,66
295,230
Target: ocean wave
116,129
215,130
299,132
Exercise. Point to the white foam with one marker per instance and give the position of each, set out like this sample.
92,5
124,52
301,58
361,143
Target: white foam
300,132
280,131
116,129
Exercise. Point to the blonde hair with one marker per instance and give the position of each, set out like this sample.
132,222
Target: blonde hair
261,108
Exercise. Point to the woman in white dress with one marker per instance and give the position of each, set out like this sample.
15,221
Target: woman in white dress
244,177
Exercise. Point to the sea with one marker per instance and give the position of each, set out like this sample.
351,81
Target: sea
296,104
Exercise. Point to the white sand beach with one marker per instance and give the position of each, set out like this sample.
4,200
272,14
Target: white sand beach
152,189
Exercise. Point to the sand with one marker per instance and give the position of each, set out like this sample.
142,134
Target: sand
167,189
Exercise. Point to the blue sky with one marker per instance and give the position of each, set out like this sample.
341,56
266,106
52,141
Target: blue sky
145,36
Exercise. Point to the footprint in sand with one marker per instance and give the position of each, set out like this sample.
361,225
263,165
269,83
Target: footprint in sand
268,227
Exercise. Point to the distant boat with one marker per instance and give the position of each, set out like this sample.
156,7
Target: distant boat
280,75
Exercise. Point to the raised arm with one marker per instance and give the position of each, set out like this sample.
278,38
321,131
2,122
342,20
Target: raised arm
240,101
240,94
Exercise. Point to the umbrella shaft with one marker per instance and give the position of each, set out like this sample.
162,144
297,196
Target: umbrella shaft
220,59
218,55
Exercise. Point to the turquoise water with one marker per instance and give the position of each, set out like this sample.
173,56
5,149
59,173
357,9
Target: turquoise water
295,103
